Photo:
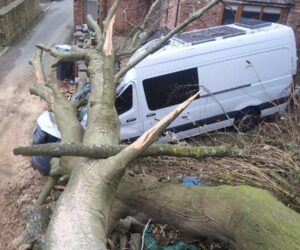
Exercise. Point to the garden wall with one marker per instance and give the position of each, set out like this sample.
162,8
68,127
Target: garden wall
15,17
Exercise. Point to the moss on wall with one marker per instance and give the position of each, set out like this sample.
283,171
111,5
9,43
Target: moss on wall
15,17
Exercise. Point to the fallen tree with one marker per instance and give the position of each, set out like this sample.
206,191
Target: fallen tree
87,211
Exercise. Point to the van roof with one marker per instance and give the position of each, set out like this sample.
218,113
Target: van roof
202,42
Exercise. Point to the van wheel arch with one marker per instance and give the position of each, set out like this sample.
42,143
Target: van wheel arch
247,118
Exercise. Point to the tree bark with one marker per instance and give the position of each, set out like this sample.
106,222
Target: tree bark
247,218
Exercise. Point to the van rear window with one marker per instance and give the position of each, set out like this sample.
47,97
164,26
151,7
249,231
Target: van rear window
170,89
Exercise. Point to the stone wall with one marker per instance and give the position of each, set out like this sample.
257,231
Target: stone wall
15,17
5,2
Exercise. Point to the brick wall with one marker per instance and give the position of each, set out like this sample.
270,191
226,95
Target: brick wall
131,10
186,8
134,10
171,15
16,17
293,20
182,9
78,9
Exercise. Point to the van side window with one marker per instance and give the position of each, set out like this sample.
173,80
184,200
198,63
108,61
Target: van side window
124,101
171,89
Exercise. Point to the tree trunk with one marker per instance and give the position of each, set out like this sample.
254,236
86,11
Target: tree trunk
246,217
81,214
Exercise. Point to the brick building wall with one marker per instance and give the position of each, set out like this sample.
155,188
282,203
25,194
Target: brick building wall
185,8
129,12
182,9
132,11
293,20
78,8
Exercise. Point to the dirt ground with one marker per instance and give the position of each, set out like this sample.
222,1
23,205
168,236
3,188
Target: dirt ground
19,183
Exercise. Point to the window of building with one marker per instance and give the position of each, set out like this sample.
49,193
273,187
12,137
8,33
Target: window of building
234,12
271,14
252,12
124,101
229,14
170,89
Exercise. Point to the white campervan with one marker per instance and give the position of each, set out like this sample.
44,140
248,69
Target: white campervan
245,72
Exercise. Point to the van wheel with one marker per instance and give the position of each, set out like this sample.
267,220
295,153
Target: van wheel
246,119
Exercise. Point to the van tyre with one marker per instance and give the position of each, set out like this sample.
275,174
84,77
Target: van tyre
246,119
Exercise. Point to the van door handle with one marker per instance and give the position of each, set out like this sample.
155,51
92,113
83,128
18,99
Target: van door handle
185,117
150,114
131,120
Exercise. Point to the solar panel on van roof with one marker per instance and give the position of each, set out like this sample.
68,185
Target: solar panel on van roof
206,35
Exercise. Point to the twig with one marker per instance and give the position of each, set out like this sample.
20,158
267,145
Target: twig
144,232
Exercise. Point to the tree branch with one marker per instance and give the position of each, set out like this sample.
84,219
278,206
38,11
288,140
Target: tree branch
44,92
36,63
105,151
156,47
109,17
66,117
147,18
76,54
96,28
46,190
108,44
39,88
65,112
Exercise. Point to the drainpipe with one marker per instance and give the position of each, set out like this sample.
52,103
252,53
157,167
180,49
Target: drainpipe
177,13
